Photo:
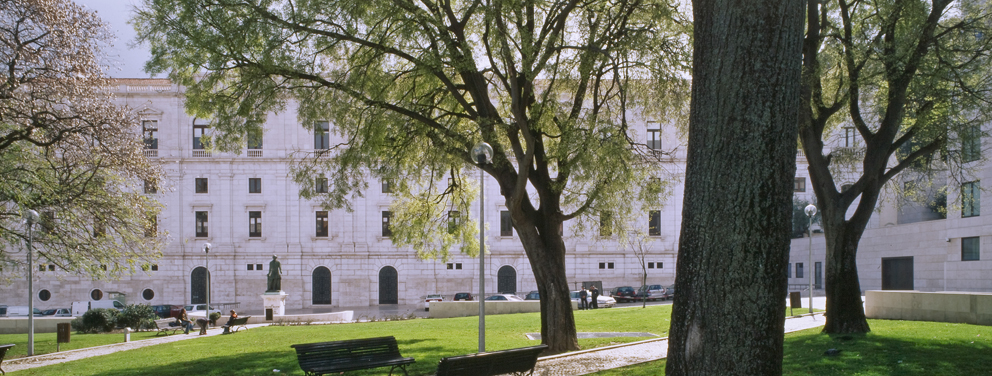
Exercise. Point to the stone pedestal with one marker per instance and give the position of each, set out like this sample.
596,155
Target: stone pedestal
276,301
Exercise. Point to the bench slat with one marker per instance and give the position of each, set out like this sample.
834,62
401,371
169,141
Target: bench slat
492,363
350,355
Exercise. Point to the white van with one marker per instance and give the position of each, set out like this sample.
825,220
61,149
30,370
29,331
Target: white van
79,308
21,311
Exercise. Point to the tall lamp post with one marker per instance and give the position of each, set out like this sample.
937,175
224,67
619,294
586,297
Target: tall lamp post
206,251
481,154
31,217
810,212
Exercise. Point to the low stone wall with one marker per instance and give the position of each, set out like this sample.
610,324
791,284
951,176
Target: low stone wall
440,310
948,306
342,316
19,325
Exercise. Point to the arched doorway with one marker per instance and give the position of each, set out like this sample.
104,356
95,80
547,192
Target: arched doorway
321,285
388,286
506,280
198,286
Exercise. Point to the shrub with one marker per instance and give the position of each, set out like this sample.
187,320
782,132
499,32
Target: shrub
214,316
136,316
99,320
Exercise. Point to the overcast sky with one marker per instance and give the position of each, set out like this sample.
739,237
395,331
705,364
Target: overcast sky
127,60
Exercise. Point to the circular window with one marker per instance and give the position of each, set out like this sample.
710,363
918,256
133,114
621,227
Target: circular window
44,295
96,294
148,294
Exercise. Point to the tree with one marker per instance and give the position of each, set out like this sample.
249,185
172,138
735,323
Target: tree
410,87
638,243
907,80
66,150
733,250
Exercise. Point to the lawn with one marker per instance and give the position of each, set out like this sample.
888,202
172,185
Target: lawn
44,343
891,348
260,351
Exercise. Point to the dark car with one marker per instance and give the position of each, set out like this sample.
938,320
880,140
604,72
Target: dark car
463,296
167,310
533,295
623,293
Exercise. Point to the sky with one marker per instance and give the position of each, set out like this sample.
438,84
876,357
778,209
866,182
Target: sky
127,61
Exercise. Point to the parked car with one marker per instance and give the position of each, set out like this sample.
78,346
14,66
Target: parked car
57,312
533,295
21,311
602,301
623,293
504,297
670,290
167,310
463,296
652,292
432,298
198,309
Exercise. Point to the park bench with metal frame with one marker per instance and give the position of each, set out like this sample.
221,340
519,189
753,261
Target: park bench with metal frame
162,325
516,361
3,351
350,355
238,322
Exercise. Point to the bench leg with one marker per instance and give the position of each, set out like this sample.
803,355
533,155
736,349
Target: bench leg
402,367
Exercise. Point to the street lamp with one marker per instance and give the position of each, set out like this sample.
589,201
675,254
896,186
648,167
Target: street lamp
482,153
206,250
31,218
810,212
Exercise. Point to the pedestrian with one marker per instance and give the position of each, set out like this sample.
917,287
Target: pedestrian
595,297
583,303
185,321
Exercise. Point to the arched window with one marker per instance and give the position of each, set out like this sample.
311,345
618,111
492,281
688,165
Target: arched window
506,280
321,285
198,286
388,286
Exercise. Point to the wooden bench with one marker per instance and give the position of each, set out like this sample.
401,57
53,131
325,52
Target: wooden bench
162,325
240,322
350,355
516,361
3,351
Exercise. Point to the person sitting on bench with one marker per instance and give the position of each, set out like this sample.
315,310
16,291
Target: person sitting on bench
227,327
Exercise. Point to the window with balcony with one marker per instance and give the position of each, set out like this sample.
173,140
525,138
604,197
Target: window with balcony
971,199
322,135
321,223
201,224
255,224
849,137
149,133
654,139
255,144
200,127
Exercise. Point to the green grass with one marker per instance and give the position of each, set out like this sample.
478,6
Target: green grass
259,351
44,343
891,348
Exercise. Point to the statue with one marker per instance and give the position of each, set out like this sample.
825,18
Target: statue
275,275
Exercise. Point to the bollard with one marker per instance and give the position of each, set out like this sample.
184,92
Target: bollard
127,334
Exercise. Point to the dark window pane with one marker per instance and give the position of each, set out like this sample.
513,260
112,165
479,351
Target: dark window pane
201,185
505,223
970,249
201,224
321,135
654,223
386,230
321,223
255,224
254,185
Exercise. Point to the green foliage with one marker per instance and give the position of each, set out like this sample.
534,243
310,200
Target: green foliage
98,320
800,222
214,316
137,316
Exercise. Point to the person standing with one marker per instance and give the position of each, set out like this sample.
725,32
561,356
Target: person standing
583,295
595,297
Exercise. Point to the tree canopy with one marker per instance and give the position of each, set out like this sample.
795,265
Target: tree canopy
66,150
556,87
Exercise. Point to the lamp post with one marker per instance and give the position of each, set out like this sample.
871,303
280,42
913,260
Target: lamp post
481,154
206,251
810,212
31,218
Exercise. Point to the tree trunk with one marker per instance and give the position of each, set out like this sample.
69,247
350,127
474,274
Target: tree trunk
845,310
546,252
728,316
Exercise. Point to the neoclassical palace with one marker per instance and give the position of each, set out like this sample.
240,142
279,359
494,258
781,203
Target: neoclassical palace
246,206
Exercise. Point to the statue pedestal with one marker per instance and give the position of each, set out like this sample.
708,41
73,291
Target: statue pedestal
276,301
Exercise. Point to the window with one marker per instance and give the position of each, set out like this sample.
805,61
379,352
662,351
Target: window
454,266
387,185
154,267
258,266
320,185
606,265
151,186
453,221
848,137
970,199
386,230
799,185
606,223
255,140
41,268
799,270
201,185
505,223
251,266
151,227
654,223
201,224
200,127
650,265
47,222
254,185
44,295
970,249
322,135
321,223
149,133
654,139
788,271
655,265
971,143
148,294
254,224
96,294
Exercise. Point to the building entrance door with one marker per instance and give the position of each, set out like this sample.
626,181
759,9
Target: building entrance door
388,281
506,280
198,286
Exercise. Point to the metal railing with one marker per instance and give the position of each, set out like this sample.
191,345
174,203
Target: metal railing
201,154
254,153
151,153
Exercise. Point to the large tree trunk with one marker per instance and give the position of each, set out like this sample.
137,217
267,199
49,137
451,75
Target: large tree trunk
546,252
845,311
728,317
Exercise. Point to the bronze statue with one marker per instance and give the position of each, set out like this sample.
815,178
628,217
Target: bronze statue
275,276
